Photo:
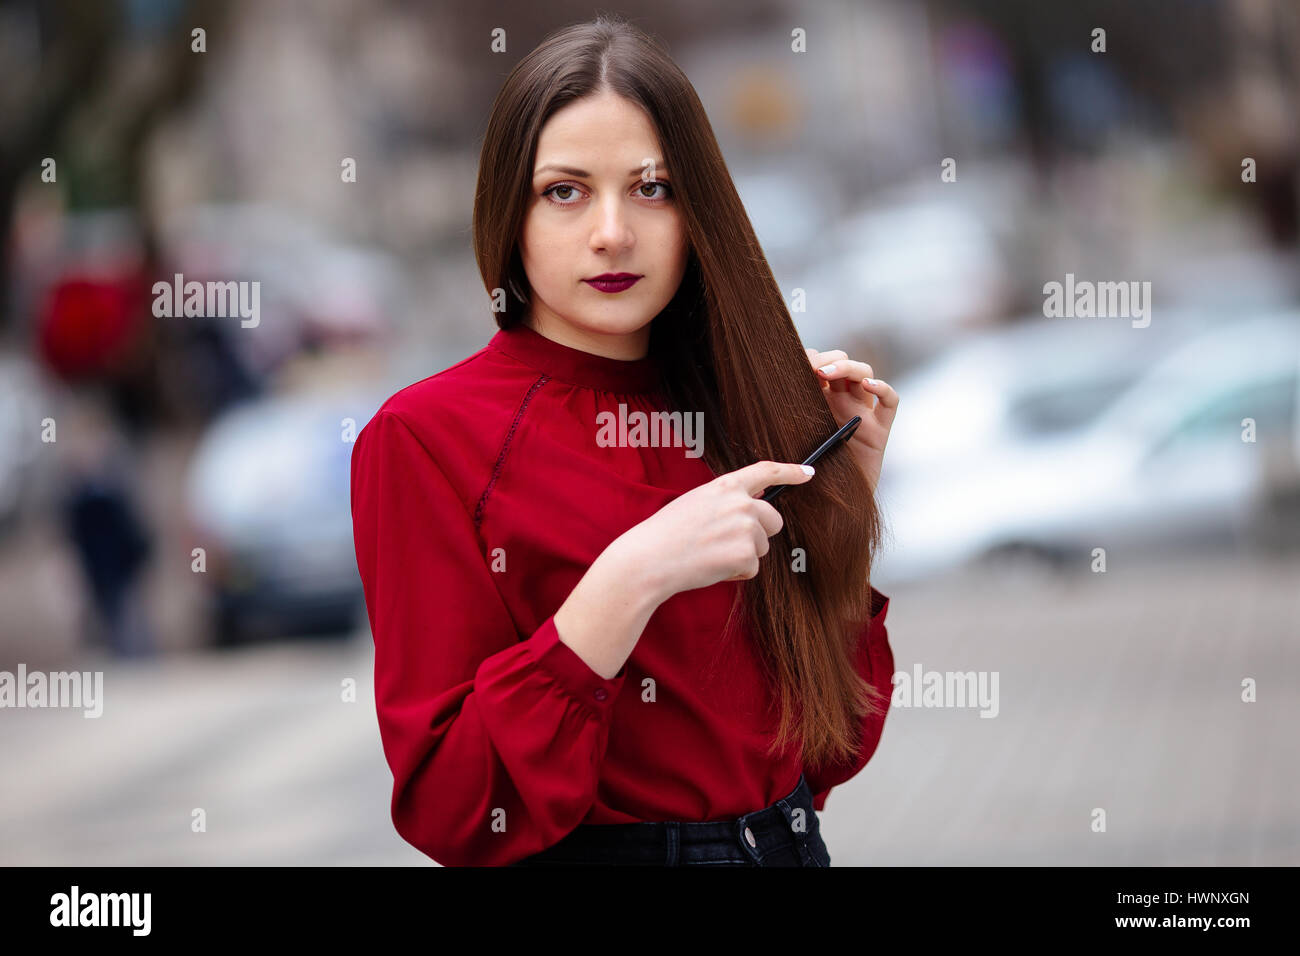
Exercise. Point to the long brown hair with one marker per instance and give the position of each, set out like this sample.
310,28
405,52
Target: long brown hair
727,346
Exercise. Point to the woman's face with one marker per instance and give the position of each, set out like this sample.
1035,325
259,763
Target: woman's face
599,214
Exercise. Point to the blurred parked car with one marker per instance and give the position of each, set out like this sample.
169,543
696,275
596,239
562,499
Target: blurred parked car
314,289
1163,464
912,270
24,401
1031,379
788,213
269,501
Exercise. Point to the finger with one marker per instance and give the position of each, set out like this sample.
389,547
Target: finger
761,475
822,358
844,368
882,390
761,547
769,519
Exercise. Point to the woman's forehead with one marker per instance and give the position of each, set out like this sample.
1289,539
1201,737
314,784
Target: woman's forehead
607,134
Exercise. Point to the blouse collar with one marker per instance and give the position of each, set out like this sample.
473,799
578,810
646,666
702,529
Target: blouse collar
573,365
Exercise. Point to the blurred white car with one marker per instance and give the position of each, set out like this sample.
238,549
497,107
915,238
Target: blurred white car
788,212
910,269
1162,463
269,500
24,401
313,288
1028,380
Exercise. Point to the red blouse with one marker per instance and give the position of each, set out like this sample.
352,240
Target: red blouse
480,496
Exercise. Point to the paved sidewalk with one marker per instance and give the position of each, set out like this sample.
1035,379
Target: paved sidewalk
1118,691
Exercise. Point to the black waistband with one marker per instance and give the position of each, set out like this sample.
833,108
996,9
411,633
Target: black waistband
793,812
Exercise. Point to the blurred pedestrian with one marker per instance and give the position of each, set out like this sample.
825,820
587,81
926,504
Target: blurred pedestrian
111,539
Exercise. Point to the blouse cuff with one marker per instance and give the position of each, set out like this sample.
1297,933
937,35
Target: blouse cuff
571,672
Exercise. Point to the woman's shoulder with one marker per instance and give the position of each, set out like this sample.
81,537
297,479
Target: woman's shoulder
463,414
481,386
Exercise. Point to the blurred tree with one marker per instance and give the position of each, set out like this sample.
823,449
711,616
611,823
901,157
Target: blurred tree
88,69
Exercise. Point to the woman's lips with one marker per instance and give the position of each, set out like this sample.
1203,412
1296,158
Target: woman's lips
612,285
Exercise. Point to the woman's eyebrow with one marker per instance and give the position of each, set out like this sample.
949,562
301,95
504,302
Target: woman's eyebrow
574,171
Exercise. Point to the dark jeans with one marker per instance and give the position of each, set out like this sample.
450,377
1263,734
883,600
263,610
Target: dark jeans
787,833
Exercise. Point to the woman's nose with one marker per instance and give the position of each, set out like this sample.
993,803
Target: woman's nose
611,227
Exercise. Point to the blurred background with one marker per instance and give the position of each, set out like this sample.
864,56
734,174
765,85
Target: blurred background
1023,442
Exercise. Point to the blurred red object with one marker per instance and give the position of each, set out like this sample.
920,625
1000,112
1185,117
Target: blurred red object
89,324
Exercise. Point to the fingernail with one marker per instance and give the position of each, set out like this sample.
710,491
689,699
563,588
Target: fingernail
874,381
808,469
827,369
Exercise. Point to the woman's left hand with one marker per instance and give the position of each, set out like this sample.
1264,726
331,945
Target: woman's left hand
849,389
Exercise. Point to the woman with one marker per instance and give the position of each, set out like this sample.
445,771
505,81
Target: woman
580,654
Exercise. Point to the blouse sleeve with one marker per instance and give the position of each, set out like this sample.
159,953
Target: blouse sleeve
494,738
876,665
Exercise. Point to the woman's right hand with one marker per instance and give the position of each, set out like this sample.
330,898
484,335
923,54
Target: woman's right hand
715,532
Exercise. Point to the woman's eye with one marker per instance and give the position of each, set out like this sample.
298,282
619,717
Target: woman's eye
555,189
655,182
565,199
